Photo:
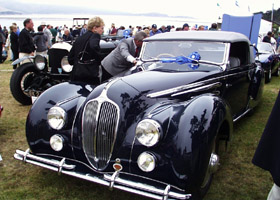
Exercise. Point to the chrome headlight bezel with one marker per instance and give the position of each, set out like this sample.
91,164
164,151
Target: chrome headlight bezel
40,62
148,132
146,161
57,117
66,67
57,142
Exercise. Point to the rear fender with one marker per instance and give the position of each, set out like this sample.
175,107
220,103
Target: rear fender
256,86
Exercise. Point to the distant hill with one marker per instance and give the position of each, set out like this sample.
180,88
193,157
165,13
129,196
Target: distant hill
5,11
17,7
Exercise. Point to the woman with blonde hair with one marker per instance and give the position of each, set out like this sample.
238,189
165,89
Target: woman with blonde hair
85,54
14,43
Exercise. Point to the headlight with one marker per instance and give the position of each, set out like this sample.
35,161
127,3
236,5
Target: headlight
40,62
56,142
56,118
146,162
65,64
148,132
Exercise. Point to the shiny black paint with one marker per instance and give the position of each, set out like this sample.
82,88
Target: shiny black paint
190,122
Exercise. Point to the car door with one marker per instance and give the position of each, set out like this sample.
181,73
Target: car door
238,79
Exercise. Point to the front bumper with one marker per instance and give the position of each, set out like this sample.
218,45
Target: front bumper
112,181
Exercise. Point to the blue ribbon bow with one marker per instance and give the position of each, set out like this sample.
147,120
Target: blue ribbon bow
192,60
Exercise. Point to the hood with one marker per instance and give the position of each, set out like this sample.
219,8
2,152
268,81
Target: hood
155,81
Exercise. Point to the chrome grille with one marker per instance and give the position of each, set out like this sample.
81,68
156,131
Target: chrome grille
100,122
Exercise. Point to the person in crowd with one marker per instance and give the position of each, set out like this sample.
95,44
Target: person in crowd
2,43
59,36
14,43
147,31
154,30
88,42
201,28
47,32
268,151
54,33
213,27
273,41
18,31
113,30
84,30
26,43
76,31
40,41
6,32
123,57
67,37
163,29
172,28
267,38
185,27
120,31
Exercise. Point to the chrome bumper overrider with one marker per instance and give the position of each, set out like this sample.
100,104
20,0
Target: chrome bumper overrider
112,181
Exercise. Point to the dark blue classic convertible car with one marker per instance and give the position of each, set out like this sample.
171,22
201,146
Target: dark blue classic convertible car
269,59
154,131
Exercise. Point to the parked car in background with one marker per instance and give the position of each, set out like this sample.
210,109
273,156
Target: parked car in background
155,131
31,79
269,59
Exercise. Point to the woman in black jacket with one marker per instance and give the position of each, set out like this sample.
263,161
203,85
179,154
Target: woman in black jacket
85,54
14,43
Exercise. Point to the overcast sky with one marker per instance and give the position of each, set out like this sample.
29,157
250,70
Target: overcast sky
172,7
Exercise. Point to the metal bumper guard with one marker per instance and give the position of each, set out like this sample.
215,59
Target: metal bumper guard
112,181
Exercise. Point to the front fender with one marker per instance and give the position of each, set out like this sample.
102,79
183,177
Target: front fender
38,132
194,128
19,60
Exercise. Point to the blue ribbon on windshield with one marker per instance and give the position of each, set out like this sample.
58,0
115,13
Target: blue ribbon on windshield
192,60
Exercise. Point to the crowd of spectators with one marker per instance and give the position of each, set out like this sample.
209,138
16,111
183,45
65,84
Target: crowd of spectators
63,33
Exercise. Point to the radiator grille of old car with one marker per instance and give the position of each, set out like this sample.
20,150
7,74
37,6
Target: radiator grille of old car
100,121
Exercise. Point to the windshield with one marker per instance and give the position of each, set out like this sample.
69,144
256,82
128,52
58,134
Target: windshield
209,51
265,48
212,55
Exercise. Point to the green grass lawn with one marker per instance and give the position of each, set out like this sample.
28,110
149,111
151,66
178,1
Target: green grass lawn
237,177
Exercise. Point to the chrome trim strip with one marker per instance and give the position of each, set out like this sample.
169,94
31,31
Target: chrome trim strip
104,179
198,89
66,100
243,114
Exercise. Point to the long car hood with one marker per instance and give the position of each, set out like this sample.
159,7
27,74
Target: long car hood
155,81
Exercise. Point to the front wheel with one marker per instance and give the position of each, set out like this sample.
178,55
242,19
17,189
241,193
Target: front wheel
211,169
21,79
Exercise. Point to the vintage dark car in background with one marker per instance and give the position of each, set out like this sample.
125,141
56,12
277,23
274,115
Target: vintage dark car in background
155,131
42,72
269,59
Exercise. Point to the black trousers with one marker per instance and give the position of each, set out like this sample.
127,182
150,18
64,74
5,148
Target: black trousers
105,75
15,56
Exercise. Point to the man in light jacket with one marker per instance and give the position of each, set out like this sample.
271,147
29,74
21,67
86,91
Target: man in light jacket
123,57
